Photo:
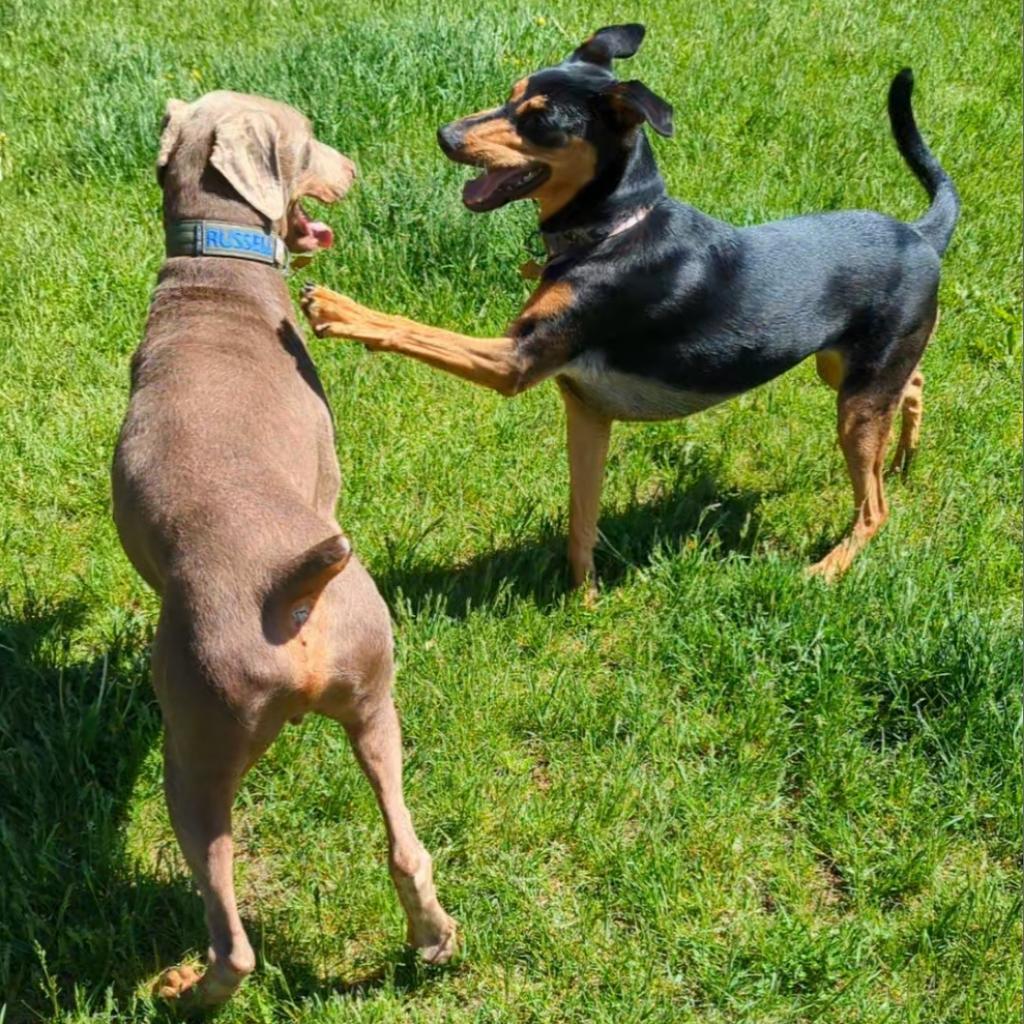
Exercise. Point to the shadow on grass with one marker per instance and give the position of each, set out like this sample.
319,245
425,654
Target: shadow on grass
697,508
73,735
80,922
402,974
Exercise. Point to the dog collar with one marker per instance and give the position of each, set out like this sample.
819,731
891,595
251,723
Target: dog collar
218,238
560,243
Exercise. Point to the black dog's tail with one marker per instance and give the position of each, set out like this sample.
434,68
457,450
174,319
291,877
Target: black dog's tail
936,226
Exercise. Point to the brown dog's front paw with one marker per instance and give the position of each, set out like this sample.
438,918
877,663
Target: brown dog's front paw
585,582
190,988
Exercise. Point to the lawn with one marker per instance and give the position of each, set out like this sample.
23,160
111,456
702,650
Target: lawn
726,794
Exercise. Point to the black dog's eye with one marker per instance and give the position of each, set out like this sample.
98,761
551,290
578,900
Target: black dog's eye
540,127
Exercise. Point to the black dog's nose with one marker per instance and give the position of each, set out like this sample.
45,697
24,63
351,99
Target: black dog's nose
449,138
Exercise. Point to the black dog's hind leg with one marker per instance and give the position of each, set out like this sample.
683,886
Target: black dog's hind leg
911,410
868,400
864,425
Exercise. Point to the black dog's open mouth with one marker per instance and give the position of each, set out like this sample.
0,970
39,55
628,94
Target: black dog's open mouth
496,188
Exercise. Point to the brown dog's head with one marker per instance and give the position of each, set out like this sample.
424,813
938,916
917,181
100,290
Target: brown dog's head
228,146
558,127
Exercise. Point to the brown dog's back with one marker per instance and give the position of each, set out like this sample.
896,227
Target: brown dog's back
225,477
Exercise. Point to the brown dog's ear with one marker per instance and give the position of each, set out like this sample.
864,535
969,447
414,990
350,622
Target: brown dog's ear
174,117
609,43
245,151
632,103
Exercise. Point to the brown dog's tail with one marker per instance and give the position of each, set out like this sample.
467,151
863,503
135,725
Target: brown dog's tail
303,579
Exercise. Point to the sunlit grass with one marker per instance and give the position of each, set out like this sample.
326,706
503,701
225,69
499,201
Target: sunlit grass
728,794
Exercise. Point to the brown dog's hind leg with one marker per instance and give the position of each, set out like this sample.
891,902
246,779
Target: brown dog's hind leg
376,738
588,433
200,791
207,751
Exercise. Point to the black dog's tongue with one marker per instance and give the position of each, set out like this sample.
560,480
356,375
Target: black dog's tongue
481,192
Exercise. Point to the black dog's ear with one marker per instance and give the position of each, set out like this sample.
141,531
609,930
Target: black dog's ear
608,43
632,103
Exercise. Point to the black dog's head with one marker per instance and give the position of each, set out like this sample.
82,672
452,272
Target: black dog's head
558,128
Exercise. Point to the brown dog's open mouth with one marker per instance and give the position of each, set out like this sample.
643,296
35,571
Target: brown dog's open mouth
496,188
307,235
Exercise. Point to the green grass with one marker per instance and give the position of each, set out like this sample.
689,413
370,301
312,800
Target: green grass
728,793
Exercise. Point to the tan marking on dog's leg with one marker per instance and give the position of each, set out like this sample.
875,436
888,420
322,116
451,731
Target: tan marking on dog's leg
588,434
878,470
547,301
377,741
911,413
831,367
864,427
490,362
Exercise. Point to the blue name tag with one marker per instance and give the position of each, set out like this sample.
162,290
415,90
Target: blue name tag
238,240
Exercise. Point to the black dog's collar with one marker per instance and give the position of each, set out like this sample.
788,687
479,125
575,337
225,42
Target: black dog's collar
560,244
218,238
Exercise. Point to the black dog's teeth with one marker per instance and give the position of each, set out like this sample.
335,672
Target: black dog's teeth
307,289
523,179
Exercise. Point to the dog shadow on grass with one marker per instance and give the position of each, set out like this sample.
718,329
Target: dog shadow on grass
698,508
80,919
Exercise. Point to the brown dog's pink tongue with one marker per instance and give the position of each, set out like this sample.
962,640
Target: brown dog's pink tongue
321,232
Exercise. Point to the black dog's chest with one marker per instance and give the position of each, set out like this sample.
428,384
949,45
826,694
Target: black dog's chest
630,396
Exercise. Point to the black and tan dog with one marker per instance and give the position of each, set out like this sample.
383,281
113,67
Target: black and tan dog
648,309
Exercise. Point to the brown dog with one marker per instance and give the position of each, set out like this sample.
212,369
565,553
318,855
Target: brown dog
225,481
